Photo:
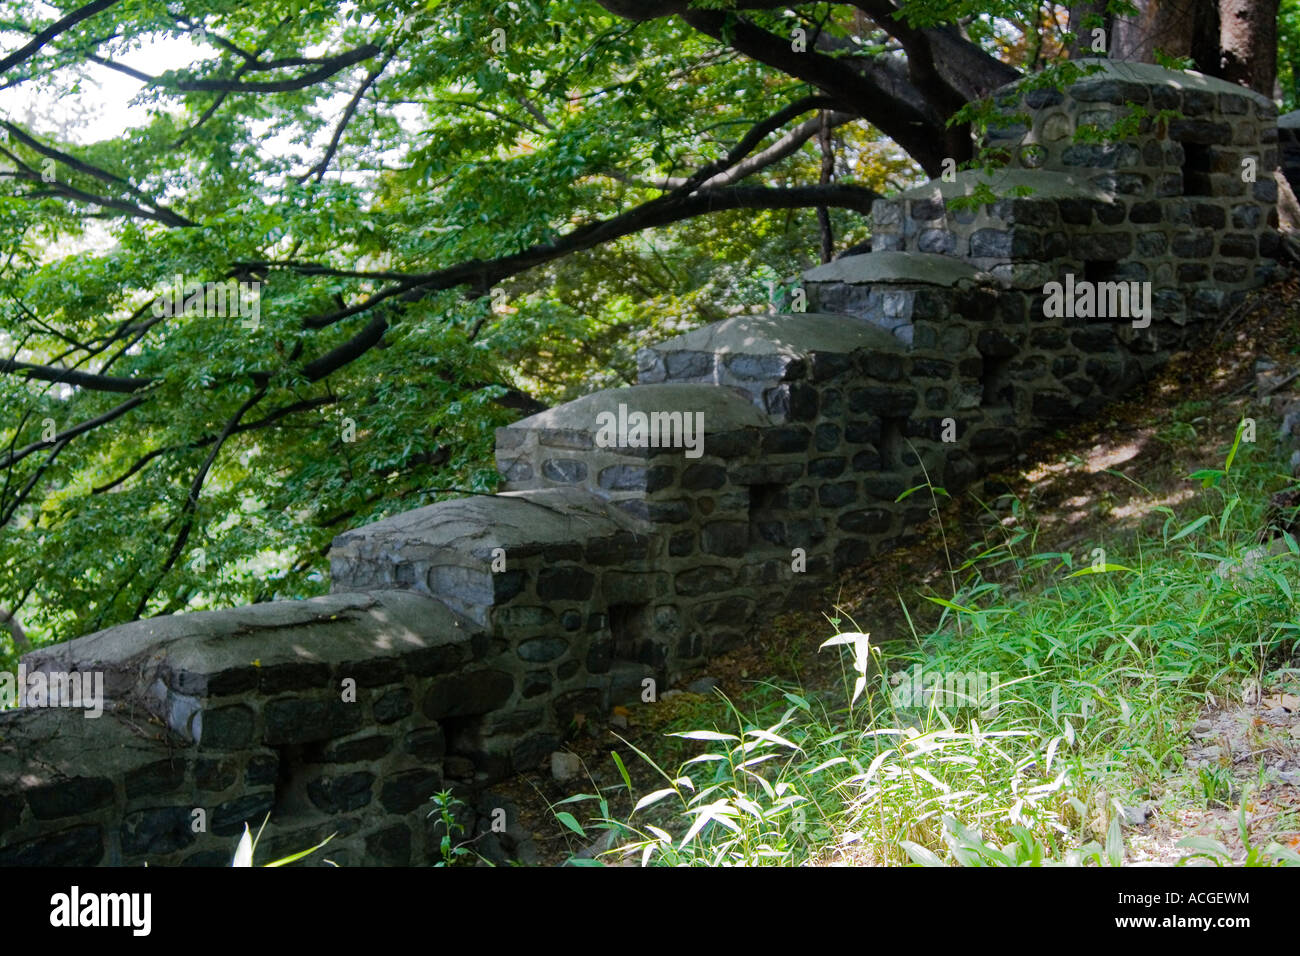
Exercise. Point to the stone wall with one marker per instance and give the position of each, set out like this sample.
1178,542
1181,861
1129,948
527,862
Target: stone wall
464,639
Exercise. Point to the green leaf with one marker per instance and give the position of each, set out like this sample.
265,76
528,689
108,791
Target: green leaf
1231,506
569,821
652,798
294,857
919,854
244,852
1100,569
577,798
622,770
944,602
1208,477
1204,844
1236,443
1115,842
1191,528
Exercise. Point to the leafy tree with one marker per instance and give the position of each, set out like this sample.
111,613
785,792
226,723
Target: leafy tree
455,214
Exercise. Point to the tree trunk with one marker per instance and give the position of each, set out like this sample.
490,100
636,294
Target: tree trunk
1079,12
1204,49
1248,43
1235,40
828,169
1175,28
20,638
1136,38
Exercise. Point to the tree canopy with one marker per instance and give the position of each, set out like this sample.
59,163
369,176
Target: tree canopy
454,214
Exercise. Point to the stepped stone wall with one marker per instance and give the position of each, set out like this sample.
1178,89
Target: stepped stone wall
463,640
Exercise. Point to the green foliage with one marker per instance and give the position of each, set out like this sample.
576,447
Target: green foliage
247,847
457,151
1099,678
449,808
1288,53
228,482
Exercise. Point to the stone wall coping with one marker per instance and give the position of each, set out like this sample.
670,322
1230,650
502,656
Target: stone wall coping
725,409
470,526
1045,183
910,268
794,334
1149,74
330,629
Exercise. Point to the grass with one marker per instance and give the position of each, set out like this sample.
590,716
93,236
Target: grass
1094,670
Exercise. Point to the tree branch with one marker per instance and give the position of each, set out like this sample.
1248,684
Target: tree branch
26,489
103,175
319,169
20,638
192,500
920,133
29,50
64,376
331,66
117,411
757,133
480,276
783,147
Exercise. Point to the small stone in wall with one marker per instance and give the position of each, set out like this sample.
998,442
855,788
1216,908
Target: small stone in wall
458,768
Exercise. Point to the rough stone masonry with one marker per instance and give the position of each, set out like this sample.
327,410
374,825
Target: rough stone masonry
472,632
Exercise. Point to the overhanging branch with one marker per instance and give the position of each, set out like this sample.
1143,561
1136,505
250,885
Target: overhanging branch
328,69
28,50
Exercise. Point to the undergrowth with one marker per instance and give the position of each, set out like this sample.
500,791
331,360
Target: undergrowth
1093,672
